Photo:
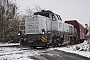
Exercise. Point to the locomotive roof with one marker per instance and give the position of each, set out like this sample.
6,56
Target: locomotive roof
44,13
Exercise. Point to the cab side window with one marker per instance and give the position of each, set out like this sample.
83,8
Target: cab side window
53,18
59,18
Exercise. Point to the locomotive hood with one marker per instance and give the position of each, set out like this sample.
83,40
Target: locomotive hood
35,24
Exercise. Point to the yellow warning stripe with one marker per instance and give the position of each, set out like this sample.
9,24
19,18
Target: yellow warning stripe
43,39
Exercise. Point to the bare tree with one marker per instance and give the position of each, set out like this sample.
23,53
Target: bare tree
7,13
36,8
29,11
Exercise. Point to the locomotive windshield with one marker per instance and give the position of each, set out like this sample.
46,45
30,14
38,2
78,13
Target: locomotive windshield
59,18
53,18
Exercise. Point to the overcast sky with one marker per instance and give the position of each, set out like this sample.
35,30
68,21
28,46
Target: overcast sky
68,9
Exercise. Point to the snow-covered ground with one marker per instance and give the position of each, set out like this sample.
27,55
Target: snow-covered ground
16,53
8,44
13,53
80,49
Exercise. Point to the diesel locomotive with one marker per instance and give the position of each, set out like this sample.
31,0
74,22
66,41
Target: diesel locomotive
45,29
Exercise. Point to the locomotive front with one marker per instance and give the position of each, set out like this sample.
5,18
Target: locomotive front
36,30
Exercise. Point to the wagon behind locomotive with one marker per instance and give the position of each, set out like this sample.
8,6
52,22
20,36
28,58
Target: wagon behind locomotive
80,29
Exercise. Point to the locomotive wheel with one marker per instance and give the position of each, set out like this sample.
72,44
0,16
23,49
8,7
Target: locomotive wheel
72,41
46,46
55,43
81,41
59,42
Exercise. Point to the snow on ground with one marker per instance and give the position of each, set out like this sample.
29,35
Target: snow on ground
8,44
12,53
7,53
80,49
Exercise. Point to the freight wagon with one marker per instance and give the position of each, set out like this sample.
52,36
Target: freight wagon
80,29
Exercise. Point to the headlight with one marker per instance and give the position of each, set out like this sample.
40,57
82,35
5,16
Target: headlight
43,32
32,16
18,33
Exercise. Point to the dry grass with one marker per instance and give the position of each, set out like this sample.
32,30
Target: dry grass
77,47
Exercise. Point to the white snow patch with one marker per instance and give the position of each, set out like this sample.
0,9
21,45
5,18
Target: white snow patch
83,49
8,44
16,53
10,53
